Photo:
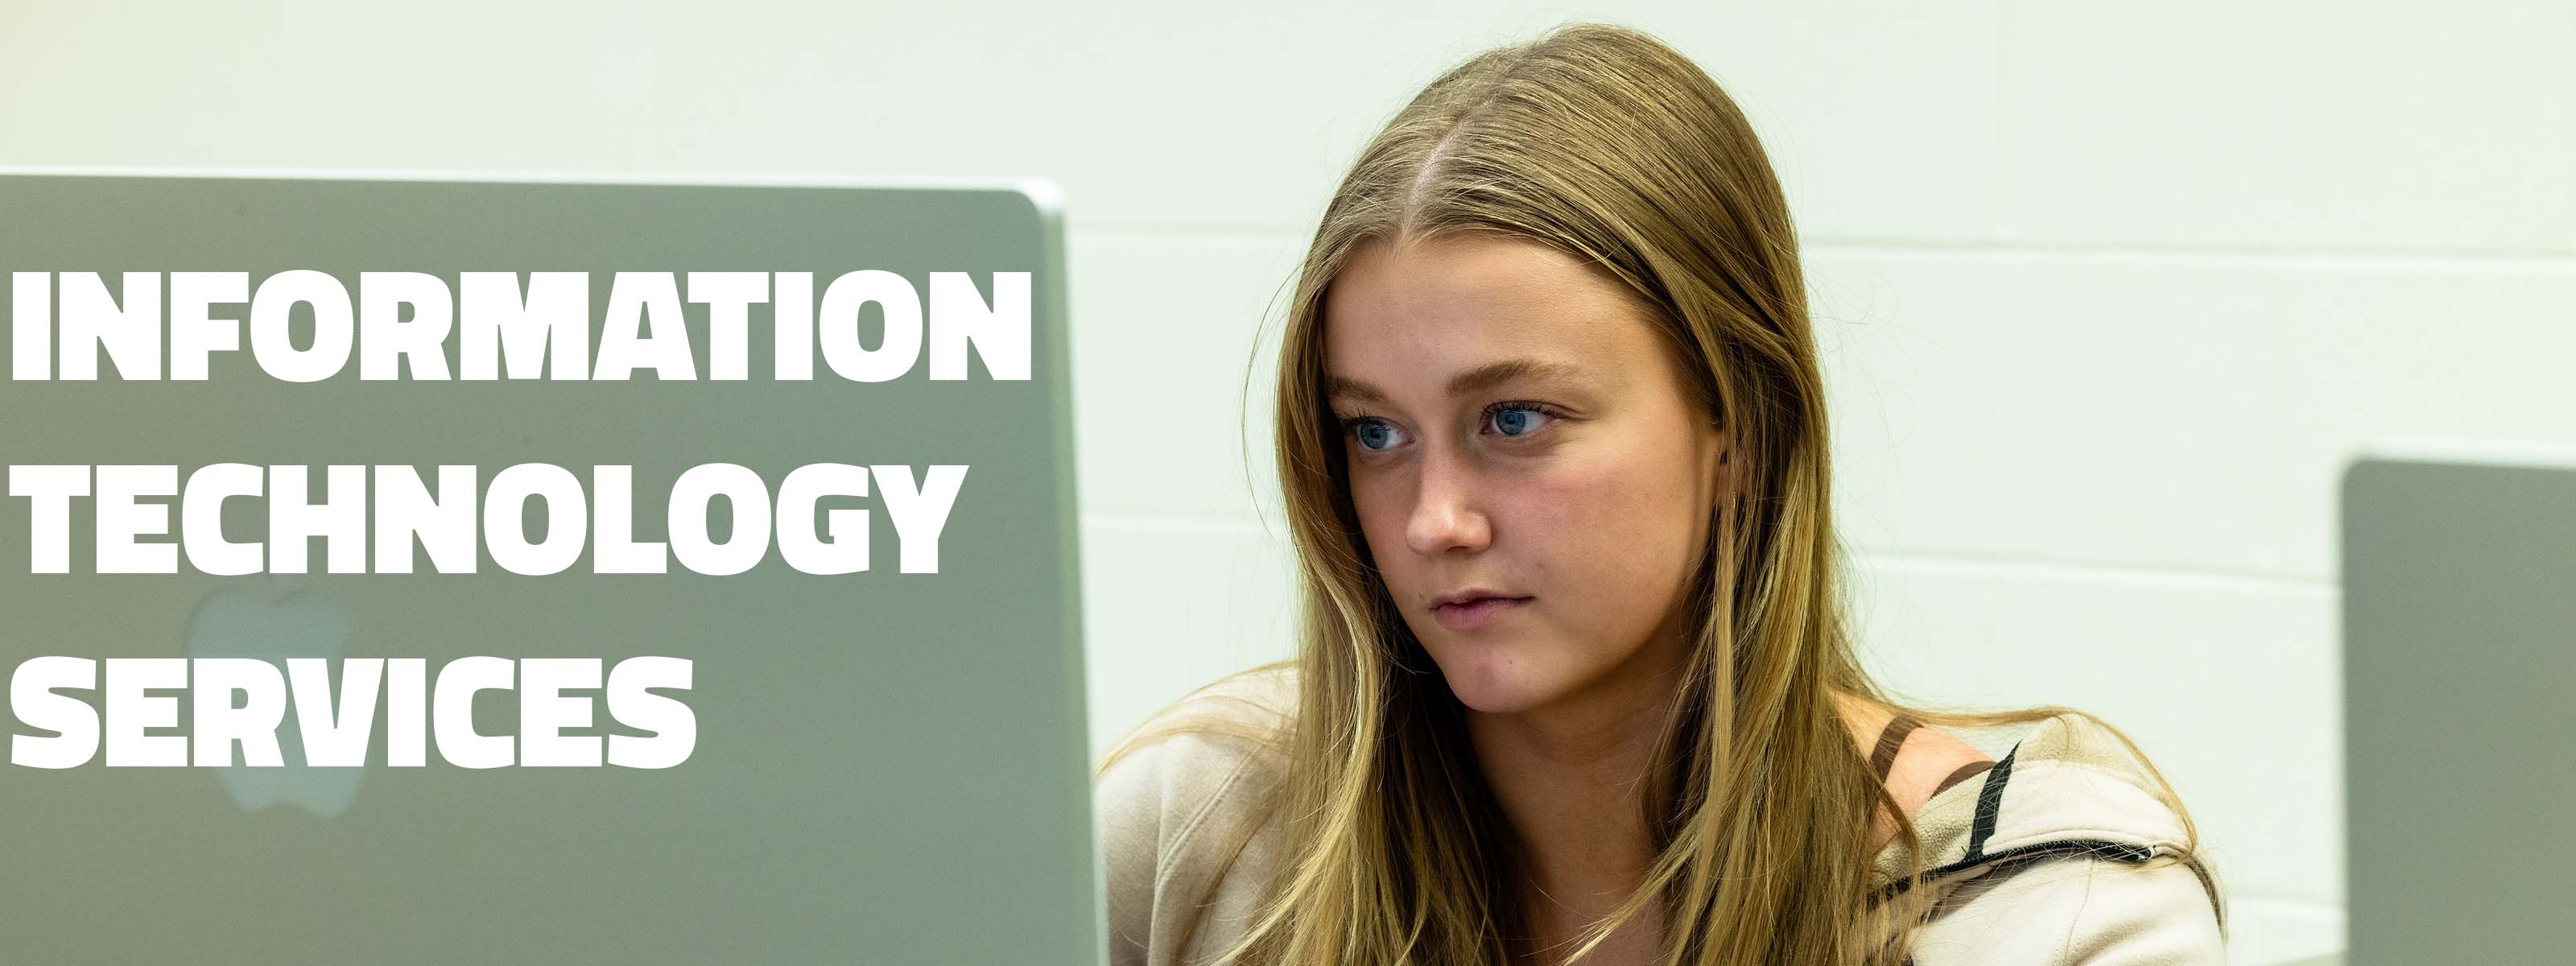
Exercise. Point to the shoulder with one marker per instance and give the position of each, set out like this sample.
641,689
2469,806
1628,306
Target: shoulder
1916,763
1186,764
1239,714
2074,910
2069,849
1184,817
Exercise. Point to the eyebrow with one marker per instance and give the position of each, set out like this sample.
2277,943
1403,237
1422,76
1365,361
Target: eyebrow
1486,376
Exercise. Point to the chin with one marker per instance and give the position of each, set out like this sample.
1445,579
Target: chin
1494,680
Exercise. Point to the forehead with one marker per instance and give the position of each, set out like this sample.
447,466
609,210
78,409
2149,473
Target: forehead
1408,315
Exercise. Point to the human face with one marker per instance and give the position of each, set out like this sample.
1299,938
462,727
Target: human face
1531,477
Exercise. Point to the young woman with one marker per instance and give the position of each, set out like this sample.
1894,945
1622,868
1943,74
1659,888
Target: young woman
1575,675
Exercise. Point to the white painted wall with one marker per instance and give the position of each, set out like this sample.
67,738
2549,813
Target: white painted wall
2108,291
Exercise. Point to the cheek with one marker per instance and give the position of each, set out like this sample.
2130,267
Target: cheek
1382,505
1615,538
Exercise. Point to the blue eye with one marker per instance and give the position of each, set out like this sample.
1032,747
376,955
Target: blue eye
1375,435
1516,419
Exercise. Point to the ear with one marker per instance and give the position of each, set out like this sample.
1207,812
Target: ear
1717,466
1722,470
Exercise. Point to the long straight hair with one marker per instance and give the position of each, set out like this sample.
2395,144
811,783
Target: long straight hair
1604,143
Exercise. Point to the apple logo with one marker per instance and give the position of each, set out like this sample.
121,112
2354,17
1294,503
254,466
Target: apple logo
300,624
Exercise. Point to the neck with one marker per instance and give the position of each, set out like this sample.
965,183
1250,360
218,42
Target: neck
1571,778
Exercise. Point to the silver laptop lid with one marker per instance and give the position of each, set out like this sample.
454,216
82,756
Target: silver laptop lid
887,766
2459,611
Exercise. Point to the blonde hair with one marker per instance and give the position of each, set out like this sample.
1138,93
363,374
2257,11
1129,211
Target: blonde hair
1604,143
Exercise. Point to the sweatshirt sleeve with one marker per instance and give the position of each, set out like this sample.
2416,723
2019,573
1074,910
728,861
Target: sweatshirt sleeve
2076,912
1127,809
1177,822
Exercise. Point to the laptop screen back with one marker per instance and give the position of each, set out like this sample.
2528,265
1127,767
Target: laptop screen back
888,766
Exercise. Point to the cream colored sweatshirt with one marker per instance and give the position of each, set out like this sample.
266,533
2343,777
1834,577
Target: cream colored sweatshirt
2036,863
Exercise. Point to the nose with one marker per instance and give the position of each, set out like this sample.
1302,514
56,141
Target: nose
1445,514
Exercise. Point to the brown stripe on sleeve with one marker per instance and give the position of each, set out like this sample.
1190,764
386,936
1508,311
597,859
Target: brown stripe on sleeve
1884,758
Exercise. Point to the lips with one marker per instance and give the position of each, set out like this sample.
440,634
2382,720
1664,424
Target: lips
1473,609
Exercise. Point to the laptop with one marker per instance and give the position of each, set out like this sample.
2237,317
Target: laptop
888,765
2459,616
